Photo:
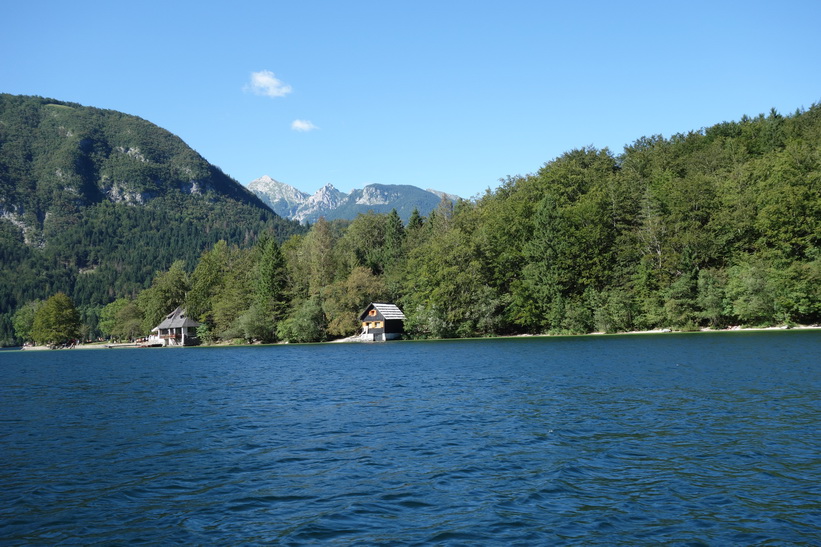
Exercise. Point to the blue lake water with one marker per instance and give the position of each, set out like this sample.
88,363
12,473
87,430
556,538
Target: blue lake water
641,440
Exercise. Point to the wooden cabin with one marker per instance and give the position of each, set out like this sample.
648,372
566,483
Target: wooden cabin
382,322
176,329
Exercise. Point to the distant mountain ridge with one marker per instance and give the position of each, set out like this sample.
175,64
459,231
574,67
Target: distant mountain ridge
331,203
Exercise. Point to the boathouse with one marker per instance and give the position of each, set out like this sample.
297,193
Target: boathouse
382,322
175,330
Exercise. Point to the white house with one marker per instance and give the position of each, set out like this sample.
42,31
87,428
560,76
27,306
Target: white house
175,330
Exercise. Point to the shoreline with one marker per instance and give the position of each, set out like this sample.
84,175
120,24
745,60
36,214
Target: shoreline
358,340
736,328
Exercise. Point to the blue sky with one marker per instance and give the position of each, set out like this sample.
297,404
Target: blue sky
451,95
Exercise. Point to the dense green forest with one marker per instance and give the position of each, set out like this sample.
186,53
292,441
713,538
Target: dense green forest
94,202
715,227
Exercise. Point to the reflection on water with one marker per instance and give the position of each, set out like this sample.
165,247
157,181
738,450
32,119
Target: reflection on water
589,440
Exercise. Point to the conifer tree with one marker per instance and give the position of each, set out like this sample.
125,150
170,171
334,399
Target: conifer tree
271,282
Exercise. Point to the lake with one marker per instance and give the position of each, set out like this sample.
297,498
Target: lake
638,439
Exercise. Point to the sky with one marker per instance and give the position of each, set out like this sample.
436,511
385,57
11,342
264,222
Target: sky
452,95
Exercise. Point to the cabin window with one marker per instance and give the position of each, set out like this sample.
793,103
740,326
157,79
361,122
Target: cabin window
377,325
372,313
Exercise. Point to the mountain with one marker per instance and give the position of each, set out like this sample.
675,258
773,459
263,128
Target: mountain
382,198
332,204
282,198
322,203
93,202
444,195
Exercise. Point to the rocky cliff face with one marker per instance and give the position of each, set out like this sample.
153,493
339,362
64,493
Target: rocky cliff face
375,195
331,203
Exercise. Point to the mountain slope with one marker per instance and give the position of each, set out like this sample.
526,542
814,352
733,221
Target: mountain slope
93,202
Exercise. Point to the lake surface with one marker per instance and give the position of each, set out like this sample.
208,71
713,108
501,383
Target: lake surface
641,440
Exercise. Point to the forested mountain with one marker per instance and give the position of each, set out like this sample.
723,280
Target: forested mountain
94,202
332,204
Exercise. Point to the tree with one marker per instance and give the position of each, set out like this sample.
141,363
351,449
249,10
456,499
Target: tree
121,320
23,320
207,281
611,311
108,316
295,252
306,324
236,294
56,321
271,282
129,322
343,300
711,298
363,242
394,239
319,250
416,220
749,295
681,301
254,325
165,294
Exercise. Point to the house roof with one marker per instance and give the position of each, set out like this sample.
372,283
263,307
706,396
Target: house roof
175,320
388,311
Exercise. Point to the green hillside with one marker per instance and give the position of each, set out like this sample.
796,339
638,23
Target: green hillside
93,202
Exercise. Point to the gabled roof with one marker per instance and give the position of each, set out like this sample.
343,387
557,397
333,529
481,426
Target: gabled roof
388,311
175,320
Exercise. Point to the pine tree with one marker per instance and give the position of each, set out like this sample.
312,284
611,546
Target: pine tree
271,283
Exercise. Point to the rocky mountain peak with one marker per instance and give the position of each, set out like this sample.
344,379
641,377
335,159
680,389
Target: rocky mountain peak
283,198
325,199
328,190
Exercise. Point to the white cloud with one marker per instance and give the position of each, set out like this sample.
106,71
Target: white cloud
266,83
303,125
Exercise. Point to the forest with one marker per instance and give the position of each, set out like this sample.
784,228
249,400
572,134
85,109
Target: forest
713,228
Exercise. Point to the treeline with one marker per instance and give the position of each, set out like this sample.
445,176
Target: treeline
714,228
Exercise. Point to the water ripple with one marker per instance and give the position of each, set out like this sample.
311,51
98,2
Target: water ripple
567,441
